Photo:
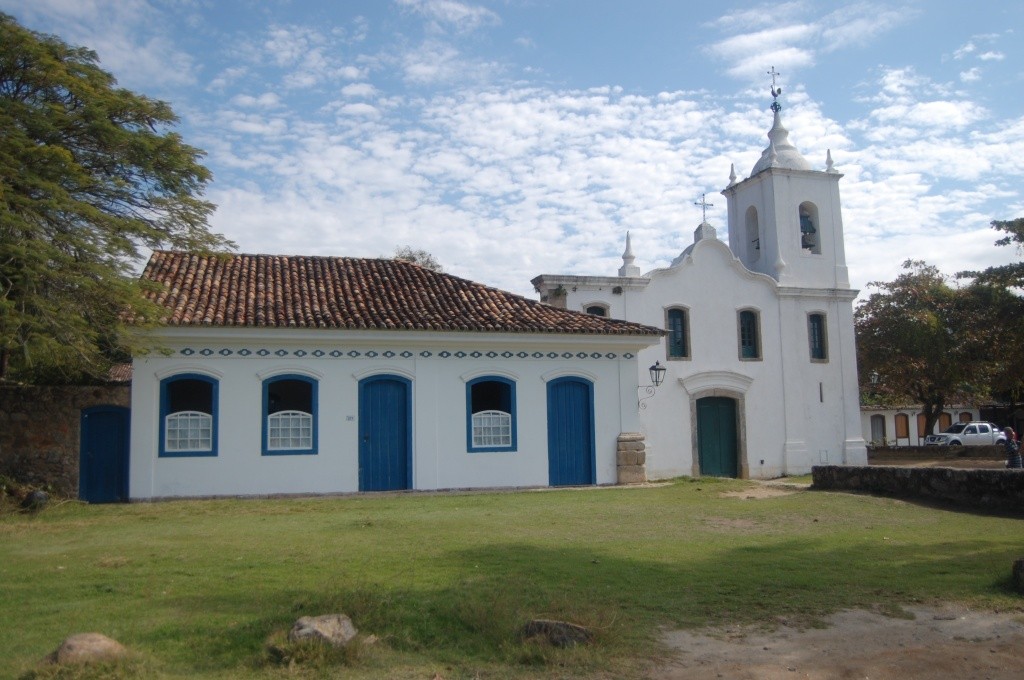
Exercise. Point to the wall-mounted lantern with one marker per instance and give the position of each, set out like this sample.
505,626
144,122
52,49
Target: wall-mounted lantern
657,372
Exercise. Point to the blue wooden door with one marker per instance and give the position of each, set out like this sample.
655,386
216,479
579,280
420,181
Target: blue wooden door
716,437
385,433
570,432
103,454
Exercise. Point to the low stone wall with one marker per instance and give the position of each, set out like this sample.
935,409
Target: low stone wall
991,490
40,431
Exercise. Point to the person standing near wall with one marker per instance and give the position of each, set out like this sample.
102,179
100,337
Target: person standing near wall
1013,459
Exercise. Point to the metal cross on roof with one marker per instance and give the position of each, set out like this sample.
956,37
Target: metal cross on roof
776,91
704,205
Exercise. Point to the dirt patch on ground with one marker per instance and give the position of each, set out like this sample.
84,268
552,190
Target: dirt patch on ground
948,642
761,491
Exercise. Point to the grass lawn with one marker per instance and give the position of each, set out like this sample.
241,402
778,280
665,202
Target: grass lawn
198,588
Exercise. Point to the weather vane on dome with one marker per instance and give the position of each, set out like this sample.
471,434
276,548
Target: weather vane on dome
776,91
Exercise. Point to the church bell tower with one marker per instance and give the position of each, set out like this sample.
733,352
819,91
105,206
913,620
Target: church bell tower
785,219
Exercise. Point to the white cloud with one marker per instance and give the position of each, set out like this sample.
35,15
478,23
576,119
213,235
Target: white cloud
767,14
966,49
970,75
267,100
362,110
992,56
436,62
227,77
308,56
936,115
458,16
359,90
858,23
791,35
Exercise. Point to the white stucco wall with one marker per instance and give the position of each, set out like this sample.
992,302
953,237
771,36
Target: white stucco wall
439,458
793,412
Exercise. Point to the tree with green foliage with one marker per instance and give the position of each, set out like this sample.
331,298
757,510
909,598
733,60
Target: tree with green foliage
928,342
999,312
90,176
998,291
1008,274
418,256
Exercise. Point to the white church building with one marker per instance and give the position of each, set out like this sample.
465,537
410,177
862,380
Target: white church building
761,372
293,374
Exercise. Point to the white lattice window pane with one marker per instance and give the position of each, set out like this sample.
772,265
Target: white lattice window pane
289,430
188,431
492,429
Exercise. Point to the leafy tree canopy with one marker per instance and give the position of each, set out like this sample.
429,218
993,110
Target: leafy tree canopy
1008,274
418,256
928,341
90,176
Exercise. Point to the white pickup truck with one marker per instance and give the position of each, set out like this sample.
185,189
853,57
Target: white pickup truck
967,434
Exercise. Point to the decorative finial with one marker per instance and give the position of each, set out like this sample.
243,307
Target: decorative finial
732,174
704,205
829,165
628,268
776,91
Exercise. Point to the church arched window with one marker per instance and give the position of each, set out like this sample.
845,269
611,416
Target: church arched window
677,323
753,234
749,335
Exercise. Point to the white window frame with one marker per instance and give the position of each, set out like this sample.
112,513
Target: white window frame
492,429
198,429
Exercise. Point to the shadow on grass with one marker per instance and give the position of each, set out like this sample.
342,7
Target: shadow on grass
474,618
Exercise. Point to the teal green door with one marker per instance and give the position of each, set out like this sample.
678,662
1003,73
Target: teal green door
716,437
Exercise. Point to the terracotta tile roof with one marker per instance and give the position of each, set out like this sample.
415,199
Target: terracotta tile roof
274,291
120,373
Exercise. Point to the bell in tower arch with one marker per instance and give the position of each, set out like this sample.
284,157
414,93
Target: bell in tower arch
808,232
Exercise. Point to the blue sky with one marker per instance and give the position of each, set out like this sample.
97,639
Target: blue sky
512,138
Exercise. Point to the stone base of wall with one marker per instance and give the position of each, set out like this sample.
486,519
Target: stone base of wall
990,490
631,458
40,431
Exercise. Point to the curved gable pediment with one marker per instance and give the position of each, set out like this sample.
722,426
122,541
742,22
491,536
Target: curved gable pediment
713,248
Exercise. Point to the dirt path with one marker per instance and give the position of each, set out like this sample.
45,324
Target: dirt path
937,643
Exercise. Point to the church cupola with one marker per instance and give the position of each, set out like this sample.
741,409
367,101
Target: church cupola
785,219
780,152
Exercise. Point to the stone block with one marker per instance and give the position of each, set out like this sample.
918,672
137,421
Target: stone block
631,436
631,446
632,474
631,458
